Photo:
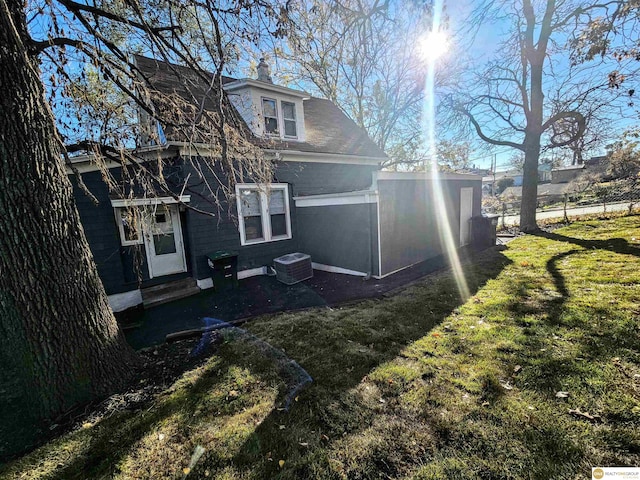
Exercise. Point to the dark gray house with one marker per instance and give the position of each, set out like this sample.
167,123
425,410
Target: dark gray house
329,199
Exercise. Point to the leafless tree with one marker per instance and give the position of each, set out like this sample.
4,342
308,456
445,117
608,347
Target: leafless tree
507,101
364,56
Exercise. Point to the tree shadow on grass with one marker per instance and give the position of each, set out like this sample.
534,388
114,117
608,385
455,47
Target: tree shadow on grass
602,339
617,245
555,304
360,339
97,451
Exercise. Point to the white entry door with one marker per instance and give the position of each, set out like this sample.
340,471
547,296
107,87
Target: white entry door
163,240
466,212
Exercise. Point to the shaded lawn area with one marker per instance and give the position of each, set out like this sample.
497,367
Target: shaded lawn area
418,385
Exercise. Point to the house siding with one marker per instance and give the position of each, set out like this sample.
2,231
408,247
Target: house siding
408,218
116,263
319,178
124,268
340,236
220,231
566,175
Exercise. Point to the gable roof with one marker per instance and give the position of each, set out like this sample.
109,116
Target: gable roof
328,129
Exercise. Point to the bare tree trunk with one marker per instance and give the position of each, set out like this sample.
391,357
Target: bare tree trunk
530,186
61,345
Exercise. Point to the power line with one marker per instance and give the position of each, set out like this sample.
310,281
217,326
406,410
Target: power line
499,152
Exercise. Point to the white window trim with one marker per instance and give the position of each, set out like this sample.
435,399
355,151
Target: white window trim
280,118
123,238
123,203
264,117
264,212
133,202
294,119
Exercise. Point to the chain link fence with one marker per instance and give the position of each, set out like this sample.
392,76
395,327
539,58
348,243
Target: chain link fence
579,197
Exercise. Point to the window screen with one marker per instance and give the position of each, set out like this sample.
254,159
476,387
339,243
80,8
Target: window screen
289,116
251,214
269,112
277,213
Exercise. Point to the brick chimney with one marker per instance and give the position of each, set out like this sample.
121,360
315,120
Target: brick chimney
263,72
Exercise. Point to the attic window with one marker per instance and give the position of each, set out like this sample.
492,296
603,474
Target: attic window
270,114
289,117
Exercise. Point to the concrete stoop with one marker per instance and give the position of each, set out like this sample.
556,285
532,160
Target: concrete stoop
168,292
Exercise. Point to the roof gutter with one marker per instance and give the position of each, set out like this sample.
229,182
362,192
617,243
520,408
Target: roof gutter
328,157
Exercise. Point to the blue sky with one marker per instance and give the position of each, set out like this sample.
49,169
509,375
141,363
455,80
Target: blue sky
483,47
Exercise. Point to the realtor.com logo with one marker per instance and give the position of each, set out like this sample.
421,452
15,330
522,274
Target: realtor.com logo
619,473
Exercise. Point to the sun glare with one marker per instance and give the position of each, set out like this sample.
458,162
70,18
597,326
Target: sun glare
433,45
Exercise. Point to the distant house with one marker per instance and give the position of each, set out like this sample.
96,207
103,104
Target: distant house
475,171
544,172
566,174
328,198
547,193
489,182
597,165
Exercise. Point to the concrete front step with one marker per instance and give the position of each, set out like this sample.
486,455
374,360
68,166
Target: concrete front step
167,292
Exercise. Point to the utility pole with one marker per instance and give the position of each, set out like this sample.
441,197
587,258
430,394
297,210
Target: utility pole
493,171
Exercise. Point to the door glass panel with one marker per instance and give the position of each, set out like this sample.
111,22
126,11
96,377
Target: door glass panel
161,229
164,244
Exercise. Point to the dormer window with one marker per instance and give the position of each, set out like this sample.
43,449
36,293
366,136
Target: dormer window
273,110
269,110
289,117
270,114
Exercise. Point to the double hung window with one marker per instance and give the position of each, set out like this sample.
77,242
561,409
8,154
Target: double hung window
270,114
275,110
263,212
289,118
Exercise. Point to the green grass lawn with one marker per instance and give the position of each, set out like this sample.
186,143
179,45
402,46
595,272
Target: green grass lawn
417,385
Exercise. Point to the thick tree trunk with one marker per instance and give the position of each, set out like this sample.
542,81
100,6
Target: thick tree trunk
530,185
61,345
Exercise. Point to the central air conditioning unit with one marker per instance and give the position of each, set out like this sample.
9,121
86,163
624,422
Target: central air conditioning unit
293,268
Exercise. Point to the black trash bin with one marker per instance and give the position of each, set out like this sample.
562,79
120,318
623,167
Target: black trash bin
224,269
483,230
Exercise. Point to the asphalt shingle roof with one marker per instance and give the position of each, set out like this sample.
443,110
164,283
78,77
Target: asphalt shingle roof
327,128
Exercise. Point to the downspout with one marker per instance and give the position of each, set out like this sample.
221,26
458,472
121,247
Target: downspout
373,187
370,248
